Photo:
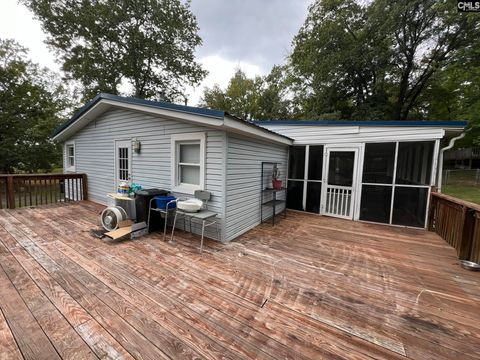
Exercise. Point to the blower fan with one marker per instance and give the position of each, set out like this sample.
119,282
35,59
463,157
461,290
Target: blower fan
112,216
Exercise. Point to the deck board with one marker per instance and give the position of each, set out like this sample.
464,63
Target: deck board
310,287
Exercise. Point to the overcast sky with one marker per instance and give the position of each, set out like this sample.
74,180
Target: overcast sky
250,34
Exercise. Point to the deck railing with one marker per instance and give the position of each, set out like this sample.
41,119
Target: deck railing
40,189
458,223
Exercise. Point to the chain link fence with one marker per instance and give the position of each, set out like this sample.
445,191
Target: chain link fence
466,177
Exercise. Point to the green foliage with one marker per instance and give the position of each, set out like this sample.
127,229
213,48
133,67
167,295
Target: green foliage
453,93
30,106
273,102
257,98
103,44
375,60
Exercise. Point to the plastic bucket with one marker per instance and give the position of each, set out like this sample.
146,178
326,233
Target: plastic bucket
162,202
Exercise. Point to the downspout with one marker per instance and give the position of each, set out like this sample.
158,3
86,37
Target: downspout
440,158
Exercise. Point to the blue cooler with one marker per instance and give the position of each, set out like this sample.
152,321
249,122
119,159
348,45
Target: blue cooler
163,202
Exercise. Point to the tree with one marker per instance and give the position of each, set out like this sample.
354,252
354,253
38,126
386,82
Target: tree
256,98
453,93
31,105
239,98
273,101
104,44
374,60
428,35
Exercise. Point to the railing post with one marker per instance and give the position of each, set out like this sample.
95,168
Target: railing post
84,187
10,193
467,234
431,212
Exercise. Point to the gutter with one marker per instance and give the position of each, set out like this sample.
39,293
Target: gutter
440,158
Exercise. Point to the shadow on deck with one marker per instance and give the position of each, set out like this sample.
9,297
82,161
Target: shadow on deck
310,287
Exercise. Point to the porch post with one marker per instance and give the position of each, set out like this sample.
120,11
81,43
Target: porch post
10,192
84,187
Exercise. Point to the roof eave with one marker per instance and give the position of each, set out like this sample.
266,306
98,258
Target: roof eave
233,124
453,124
104,102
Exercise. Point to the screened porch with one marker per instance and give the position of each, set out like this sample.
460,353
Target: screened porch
382,182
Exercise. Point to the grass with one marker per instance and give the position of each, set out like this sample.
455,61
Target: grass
465,192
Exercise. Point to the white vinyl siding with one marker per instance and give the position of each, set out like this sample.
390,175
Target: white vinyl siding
319,134
243,180
151,168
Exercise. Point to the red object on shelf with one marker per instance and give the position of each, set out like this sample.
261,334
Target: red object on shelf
277,184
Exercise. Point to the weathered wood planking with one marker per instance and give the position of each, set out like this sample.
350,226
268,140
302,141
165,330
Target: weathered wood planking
32,341
173,291
312,287
61,333
8,346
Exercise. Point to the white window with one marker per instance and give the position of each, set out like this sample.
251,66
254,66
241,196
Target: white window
188,162
70,156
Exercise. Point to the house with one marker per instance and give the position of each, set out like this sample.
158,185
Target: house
370,171
182,149
463,158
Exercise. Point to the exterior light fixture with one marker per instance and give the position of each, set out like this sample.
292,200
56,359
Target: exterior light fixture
137,145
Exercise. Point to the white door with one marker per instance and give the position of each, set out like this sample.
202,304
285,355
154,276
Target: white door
123,161
340,178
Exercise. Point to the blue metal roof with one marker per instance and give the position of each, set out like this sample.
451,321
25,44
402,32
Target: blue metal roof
218,114
363,123
130,100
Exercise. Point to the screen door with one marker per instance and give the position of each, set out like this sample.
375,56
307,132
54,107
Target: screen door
339,191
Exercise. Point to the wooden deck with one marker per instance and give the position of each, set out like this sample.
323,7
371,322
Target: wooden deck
310,288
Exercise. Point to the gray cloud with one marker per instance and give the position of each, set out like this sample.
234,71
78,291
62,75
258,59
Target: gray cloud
253,31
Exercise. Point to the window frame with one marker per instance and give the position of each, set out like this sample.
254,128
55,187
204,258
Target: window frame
305,180
68,167
176,141
394,184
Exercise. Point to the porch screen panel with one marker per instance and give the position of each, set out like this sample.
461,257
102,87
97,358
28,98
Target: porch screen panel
314,189
397,194
414,172
414,164
375,203
315,162
379,163
314,178
410,206
377,182
296,185
295,195
296,162
305,178
340,168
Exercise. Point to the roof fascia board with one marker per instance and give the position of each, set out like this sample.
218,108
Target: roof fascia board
172,114
386,123
104,104
80,122
238,127
226,123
